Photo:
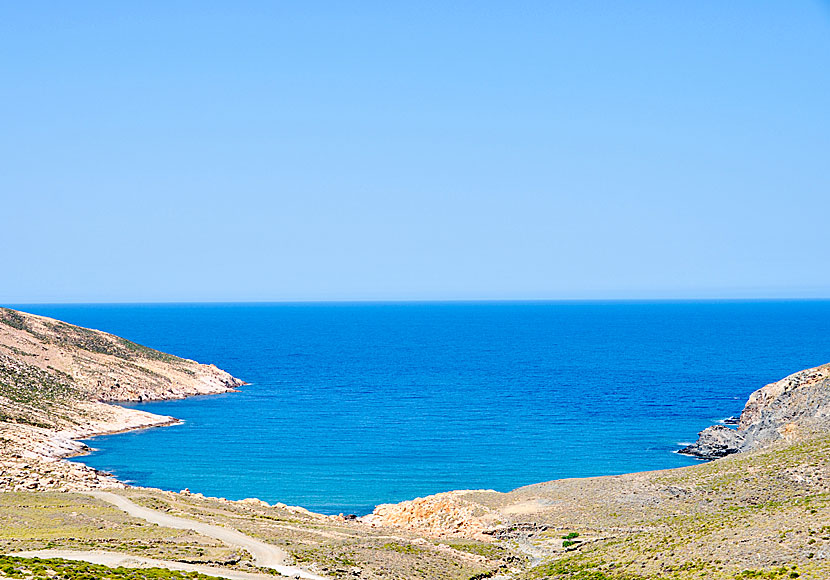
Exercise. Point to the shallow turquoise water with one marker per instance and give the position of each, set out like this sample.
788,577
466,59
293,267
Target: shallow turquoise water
351,405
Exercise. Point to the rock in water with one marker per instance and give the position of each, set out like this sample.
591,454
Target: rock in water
715,442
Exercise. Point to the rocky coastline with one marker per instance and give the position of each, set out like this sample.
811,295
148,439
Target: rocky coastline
60,384
786,410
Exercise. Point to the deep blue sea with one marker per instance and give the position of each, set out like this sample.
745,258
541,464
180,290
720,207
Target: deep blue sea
351,405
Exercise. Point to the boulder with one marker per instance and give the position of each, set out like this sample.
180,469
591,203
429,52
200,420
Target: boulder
715,442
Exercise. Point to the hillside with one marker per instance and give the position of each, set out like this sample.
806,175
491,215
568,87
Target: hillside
98,366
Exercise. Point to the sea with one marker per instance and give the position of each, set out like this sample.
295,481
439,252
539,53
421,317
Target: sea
350,405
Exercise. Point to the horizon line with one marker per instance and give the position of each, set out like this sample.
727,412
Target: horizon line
426,301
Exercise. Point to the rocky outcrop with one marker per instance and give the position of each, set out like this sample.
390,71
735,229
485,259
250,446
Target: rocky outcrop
715,442
443,515
788,409
47,474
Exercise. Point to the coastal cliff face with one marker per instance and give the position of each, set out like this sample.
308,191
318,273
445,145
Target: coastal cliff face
55,382
789,409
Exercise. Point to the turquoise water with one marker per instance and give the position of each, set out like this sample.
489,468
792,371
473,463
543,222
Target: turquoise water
351,405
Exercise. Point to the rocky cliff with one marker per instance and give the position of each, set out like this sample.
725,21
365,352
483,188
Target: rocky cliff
789,409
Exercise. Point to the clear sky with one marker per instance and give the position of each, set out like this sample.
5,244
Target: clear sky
231,151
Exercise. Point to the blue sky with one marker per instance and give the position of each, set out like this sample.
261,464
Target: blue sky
224,151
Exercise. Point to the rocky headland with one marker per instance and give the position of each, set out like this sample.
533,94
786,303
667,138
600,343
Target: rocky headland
788,410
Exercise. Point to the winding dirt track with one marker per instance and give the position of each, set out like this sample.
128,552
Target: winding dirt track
264,555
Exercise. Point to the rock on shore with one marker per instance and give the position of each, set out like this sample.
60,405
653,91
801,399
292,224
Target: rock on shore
788,409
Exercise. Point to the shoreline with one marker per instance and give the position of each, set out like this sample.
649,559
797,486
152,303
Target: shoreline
63,445
89,450
48,453
376,516
489,516
65,383
69,444
369,518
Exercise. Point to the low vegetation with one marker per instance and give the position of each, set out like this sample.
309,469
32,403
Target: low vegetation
57,569
53,520
32,396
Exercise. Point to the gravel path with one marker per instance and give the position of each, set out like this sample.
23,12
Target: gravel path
264,555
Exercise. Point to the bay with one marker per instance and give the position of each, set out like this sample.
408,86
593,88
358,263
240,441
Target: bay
354,404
